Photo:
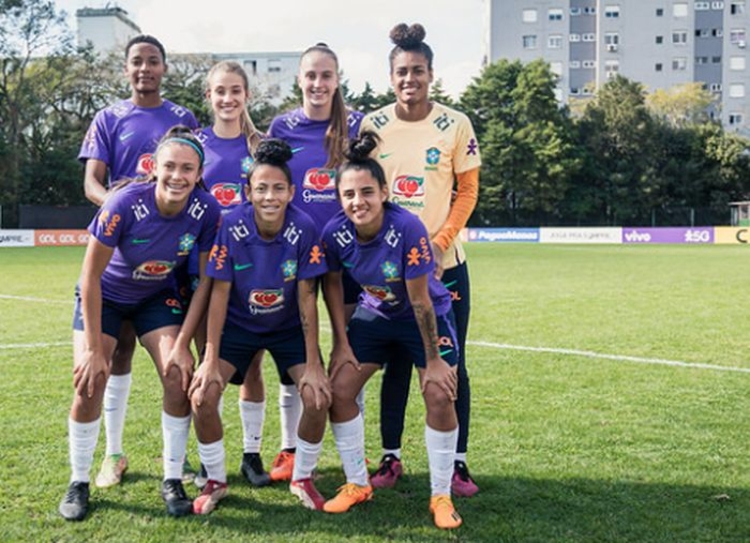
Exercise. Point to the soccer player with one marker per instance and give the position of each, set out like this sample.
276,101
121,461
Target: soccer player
404,308
143,231
265,262
317,133
230,143
119,145
425,149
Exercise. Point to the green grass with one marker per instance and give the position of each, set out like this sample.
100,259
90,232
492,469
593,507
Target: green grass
565,447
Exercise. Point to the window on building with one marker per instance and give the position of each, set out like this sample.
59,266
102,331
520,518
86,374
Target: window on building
529,16
612,11
717,5
717,32
574,91
679,63
680,9
556,68
715,87
737,37
529,41
737,64
659,12
701,60
737,8
659,40
589,36
735,118
555,41
611,41
588,64
574,37
658,67
575,11
679,37
737,90
702,6
716,60
274,65
589,10
702,32
575,63
251,67
555,14
611,68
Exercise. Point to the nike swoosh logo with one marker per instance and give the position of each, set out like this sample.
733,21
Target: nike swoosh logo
137,241
443,353
240,267
383,156
449,285
347,265
297,149
126,136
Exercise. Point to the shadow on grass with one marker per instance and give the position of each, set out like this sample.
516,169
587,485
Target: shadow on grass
506,509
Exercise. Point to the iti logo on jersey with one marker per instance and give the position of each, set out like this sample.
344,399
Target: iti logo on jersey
383,294
227,194
187,241
153,270
408,186
145,164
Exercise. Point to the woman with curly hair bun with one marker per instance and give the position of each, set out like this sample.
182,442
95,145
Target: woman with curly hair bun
427,150
264,264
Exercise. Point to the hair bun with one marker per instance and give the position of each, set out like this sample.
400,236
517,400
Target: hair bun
273,151
359,149
408,37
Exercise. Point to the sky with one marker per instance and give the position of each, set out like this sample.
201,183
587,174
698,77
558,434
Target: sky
356,30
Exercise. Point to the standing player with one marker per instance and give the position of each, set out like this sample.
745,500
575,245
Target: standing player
426,148
142,232
317,133
264,263
230,144
119,145
404,308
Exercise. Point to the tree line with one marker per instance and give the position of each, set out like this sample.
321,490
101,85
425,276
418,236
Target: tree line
620,157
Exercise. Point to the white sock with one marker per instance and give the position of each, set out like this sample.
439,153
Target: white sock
290,410
306,459
115,408
175,432
212,456
350,442
361,400
252,415
394,452
82,437
441,446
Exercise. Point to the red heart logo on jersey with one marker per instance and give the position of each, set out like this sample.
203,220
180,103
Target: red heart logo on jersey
320,180
407,185
155,268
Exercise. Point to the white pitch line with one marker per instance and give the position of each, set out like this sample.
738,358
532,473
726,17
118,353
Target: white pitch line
35,345
619,358
32,299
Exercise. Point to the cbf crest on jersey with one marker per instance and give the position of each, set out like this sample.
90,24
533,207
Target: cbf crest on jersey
390,271
432,158
187,241
289,270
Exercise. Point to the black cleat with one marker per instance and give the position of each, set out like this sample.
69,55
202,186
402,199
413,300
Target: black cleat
252,469
75,503
173,493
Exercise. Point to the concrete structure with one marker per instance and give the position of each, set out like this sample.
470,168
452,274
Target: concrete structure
660,43
273,74
106,29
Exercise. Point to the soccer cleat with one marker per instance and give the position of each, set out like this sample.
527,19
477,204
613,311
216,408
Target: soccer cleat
201,477
388,473
252,469
349,495
212,493
113,467
283,466
173,493
305,490
444,514
462,484
75,503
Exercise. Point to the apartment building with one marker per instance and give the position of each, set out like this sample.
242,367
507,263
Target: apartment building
660,43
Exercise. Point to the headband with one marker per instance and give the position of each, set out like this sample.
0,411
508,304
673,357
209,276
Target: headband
184,141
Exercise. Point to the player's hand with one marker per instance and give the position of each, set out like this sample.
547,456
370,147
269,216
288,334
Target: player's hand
438,372
341,355
93,364
315,378
207,374
183,359
437,254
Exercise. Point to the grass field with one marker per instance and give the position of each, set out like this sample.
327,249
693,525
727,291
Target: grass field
610,403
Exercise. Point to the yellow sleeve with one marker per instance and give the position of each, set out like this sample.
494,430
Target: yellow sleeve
466,199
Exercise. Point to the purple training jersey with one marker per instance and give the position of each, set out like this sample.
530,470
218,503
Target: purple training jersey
315,184
226,166
124,136
148,246
264,274
400,251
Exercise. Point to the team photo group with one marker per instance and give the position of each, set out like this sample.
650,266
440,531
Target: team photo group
211,247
